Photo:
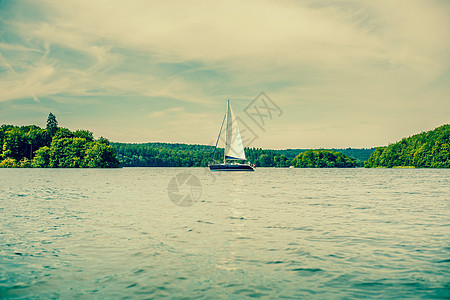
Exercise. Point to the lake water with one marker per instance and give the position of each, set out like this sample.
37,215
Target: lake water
273,233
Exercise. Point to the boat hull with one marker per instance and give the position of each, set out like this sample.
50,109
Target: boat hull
230,167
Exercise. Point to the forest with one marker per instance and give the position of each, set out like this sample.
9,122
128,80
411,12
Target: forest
53,147
56,147
429,149
360,154
323,159
185,155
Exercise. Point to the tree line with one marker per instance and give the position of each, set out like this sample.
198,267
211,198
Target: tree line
360,154
323,159
56,147
183,155
53,147
429,149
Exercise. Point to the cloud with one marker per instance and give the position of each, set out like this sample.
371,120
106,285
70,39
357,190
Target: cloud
357,60
36,99
165,112
278,31
8,66
244,37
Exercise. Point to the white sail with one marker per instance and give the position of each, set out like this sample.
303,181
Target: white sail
234,149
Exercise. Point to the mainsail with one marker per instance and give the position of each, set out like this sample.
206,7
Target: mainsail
234,149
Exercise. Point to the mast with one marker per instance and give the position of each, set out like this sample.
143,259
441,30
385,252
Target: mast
226,132
218,137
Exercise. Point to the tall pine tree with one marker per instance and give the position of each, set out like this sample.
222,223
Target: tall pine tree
52,124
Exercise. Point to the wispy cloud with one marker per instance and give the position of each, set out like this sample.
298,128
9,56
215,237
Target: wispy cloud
165,112
7,65
36,99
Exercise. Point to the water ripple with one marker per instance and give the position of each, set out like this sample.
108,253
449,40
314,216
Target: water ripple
297,233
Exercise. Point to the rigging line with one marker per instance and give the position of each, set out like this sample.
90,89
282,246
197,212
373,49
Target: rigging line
215,147
226,133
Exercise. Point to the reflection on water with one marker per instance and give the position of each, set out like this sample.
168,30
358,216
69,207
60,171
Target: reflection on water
272,233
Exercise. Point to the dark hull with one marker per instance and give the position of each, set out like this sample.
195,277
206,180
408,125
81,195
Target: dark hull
230,167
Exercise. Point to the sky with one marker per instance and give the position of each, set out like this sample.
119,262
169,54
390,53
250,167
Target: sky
298,74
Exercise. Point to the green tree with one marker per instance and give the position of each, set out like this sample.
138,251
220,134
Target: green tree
323,159
24,163
41,158
15,144
36,138
32,146
8,163
67,153
265,160
85,134
424,150
101,154
52,124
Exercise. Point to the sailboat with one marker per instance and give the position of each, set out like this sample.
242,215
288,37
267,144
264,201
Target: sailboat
234,149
